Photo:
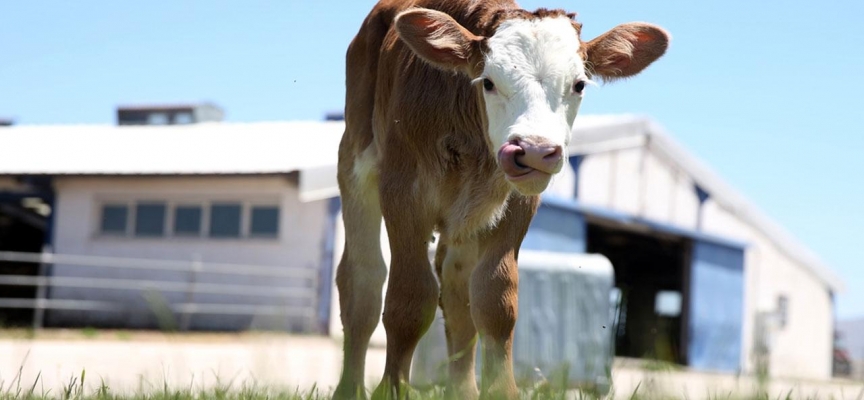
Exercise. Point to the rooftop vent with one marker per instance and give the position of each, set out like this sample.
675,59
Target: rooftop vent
168,114
334,116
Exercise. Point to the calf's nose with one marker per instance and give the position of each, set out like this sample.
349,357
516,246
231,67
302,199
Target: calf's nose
545,157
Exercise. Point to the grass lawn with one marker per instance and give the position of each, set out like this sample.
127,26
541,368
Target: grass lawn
79,389
86,386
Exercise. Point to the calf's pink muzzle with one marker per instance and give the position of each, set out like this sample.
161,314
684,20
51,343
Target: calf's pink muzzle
521,159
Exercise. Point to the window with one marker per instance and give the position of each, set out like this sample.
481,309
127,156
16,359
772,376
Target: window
183,118
187,220
114,217
150,219
265,221
225,220
190,219
157,118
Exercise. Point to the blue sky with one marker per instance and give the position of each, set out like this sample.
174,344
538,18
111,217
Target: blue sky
767,93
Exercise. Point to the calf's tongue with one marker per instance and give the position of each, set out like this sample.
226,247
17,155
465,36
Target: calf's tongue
508,159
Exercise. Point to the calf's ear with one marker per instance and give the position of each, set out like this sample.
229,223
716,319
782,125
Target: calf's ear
437,38
625,50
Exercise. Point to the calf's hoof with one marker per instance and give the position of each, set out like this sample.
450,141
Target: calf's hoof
388,391
349,392
501,391
461,393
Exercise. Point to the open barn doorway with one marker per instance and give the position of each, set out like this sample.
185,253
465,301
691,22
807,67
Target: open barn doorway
23,227
650,280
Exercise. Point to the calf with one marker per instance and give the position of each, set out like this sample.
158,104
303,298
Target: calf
458,113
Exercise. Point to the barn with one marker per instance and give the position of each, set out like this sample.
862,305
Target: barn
702,278
716,283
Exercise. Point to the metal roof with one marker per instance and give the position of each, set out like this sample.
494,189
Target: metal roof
204,148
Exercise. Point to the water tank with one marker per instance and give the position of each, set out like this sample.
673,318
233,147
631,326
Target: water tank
564,330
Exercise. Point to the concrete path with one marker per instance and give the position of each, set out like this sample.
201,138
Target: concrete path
147,361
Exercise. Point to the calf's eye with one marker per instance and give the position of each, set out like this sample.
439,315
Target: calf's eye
578,87
488,85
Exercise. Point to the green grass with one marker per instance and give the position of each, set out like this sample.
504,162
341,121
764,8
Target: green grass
253,393
90,333
81,387
104,393
78,388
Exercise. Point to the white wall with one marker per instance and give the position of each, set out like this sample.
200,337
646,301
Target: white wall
640,182
803,348
379,336
298,245
637,182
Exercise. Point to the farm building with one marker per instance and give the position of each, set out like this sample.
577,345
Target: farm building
237,226
743,282
222,200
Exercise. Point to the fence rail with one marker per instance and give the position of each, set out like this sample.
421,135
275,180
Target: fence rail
303,287
164,265
145,284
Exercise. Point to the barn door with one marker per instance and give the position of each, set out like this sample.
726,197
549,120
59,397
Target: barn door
716,311
557,229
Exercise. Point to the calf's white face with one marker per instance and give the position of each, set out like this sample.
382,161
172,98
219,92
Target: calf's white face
533,78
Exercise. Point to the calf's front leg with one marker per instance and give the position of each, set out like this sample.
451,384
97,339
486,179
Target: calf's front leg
412,290
494,297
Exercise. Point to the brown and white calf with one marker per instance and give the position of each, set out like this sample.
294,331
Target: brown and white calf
458,113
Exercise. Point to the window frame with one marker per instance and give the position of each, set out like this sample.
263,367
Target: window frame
251,207
100,213
204,202
240,229
204,224
165,212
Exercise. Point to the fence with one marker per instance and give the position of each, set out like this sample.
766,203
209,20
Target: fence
133,286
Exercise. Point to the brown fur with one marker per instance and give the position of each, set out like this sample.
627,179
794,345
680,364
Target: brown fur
423,126
625,51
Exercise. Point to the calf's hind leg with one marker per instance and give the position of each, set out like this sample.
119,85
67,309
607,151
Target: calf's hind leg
454,263
361,272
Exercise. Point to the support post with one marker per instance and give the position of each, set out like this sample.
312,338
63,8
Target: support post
186,320
41,289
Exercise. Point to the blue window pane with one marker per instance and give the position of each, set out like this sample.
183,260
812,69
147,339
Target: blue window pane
150,219
114,218
183,118
265,221
157,119
225,220
187,220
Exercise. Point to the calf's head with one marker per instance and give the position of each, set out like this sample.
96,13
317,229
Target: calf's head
533,70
